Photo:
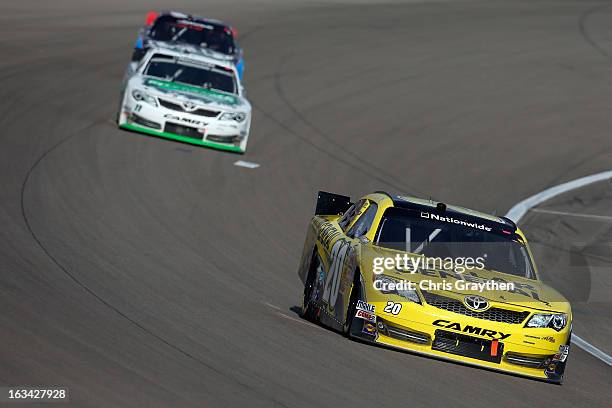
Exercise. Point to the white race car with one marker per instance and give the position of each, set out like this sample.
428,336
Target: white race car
187,97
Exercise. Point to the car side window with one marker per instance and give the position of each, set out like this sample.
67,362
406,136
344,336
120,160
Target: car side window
363,224
350,215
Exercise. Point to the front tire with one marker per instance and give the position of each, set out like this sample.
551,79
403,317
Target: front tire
352,307
120,118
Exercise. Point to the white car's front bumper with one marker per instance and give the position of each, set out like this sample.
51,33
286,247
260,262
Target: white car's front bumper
201,127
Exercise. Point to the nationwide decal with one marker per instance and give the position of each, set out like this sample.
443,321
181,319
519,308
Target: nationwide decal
454,221
208,94
497,335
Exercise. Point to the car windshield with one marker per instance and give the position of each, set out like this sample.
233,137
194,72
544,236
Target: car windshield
208,77
212,36
442,236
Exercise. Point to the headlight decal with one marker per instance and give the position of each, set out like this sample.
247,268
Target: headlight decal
142,96
235,116
556,321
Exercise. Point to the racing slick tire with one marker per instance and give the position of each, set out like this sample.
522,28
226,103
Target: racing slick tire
354,327
309,308
118,118
352,308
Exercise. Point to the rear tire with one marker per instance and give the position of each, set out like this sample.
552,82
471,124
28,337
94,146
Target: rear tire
309,308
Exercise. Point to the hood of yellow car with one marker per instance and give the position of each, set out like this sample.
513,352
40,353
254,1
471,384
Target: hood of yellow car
526,293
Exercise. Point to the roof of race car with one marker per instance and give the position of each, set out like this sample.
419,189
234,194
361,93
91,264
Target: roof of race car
188,53
197,19
415,203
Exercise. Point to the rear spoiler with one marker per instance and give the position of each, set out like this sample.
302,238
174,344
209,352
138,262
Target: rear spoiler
332,204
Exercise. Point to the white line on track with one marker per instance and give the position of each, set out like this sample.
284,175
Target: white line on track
294,319
569,214
520,209
591,349
299,321
271,305
246,164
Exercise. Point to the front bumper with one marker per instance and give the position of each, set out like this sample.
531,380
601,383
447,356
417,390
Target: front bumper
184,127
542,360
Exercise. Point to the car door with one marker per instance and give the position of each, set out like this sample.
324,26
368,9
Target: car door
341,260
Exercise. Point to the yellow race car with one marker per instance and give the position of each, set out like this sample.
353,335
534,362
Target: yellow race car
434,279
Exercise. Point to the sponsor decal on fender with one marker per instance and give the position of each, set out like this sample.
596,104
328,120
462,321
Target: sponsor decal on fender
361,305
369,328
327,233
362,314
497,335
365,311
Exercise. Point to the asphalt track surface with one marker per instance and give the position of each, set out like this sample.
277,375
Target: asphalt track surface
142,272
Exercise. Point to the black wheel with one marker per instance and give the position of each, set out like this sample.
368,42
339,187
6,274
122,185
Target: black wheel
352,306
309,308
118,114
